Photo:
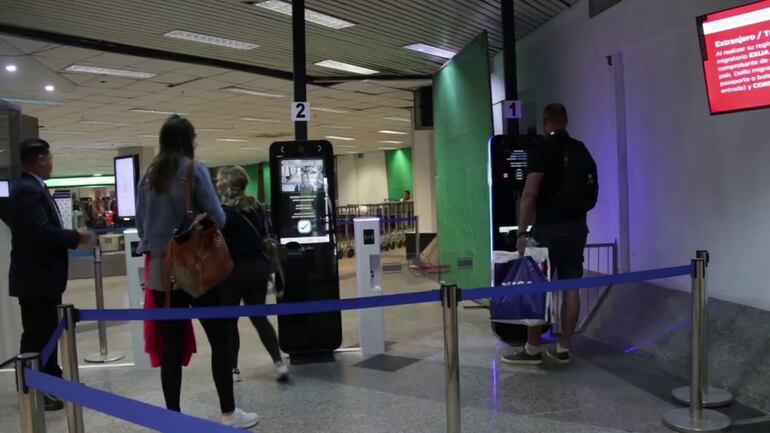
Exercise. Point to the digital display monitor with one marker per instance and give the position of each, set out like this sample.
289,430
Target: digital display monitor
304,187
735,46
5,189
126,179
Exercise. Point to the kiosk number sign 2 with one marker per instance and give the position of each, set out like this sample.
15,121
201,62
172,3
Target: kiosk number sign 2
300,111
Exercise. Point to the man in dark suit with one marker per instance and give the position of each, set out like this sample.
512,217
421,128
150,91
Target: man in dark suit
39,256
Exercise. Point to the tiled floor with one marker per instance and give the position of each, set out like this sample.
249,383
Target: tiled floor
402,391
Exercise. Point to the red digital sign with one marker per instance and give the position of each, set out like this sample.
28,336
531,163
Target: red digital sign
735,45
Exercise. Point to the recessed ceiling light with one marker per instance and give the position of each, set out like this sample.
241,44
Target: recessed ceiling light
97,174
11,68
49,88
63,132
397,119
35,101
312,16
391,142
387,131
148,136
433,51
97,122
211,40
149,111
347,67
255,119
387,148
253,92
330,110
209,130
347,146
98,70
336,127
336,137
232,140
250,148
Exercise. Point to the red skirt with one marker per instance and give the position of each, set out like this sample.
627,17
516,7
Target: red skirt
153,333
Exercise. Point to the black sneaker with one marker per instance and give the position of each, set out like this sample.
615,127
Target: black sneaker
523,358
559,357
52,404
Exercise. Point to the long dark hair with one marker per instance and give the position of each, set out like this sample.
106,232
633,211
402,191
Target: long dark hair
177,140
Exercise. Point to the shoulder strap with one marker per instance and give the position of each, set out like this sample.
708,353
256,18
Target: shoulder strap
188,188
249,223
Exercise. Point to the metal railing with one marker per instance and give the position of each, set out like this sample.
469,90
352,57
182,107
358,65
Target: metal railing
397,217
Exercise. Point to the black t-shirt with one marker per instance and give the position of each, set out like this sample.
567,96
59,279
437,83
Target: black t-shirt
242,240
547,157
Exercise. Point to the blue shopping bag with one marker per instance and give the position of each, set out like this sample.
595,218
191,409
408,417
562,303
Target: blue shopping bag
519,307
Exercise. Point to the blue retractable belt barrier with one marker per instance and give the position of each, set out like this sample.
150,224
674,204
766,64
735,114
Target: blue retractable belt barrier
261,310
49,348
133,411
580,283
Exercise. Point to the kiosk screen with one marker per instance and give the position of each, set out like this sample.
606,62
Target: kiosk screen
305,200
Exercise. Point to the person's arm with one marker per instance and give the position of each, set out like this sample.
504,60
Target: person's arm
31,208
206,195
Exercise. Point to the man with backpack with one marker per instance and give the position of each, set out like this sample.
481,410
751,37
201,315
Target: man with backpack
561,187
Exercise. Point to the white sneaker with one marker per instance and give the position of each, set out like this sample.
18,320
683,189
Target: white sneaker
236,375
281,371
240,419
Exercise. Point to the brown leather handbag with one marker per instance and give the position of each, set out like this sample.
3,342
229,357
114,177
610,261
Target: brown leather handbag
197,258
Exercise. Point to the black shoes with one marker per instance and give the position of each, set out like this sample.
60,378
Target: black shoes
523,358
560,358
52,404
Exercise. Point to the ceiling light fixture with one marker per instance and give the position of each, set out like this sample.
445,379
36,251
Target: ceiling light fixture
336,127
149,111
330,110
235,89
98,70
232,140
430,49
210,130
49,88
391,142
347,67
98,122
387,131
35,101
397,119
387,148
255,119
63,132
97,174
148,136
211,40
336,137
11,68
347,146
312,16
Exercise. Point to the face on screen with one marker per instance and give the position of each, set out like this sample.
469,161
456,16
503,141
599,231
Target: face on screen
304,202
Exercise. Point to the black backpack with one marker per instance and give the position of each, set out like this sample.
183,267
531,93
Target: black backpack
580,181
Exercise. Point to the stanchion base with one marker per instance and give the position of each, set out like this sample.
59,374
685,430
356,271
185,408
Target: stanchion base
710,422
713,397
98,358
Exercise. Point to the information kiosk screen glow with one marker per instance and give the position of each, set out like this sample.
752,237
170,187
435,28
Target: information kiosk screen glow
306,201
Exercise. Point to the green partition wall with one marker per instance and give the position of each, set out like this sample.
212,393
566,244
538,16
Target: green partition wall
462,118
398,165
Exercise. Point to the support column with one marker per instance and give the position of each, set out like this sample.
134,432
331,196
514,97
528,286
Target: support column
300,74
508,16
424,180
624,249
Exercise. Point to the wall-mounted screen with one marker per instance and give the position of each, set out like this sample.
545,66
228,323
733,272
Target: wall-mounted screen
304,188
735,46
126,178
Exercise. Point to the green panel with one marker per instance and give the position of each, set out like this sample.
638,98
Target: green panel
462,119
62,182
266,180
398,164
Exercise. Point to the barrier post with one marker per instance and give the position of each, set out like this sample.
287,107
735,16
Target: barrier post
104,356
450,296
30,399
712,397
695,418
70,371
417,247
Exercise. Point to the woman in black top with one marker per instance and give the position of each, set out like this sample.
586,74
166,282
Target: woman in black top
244,233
